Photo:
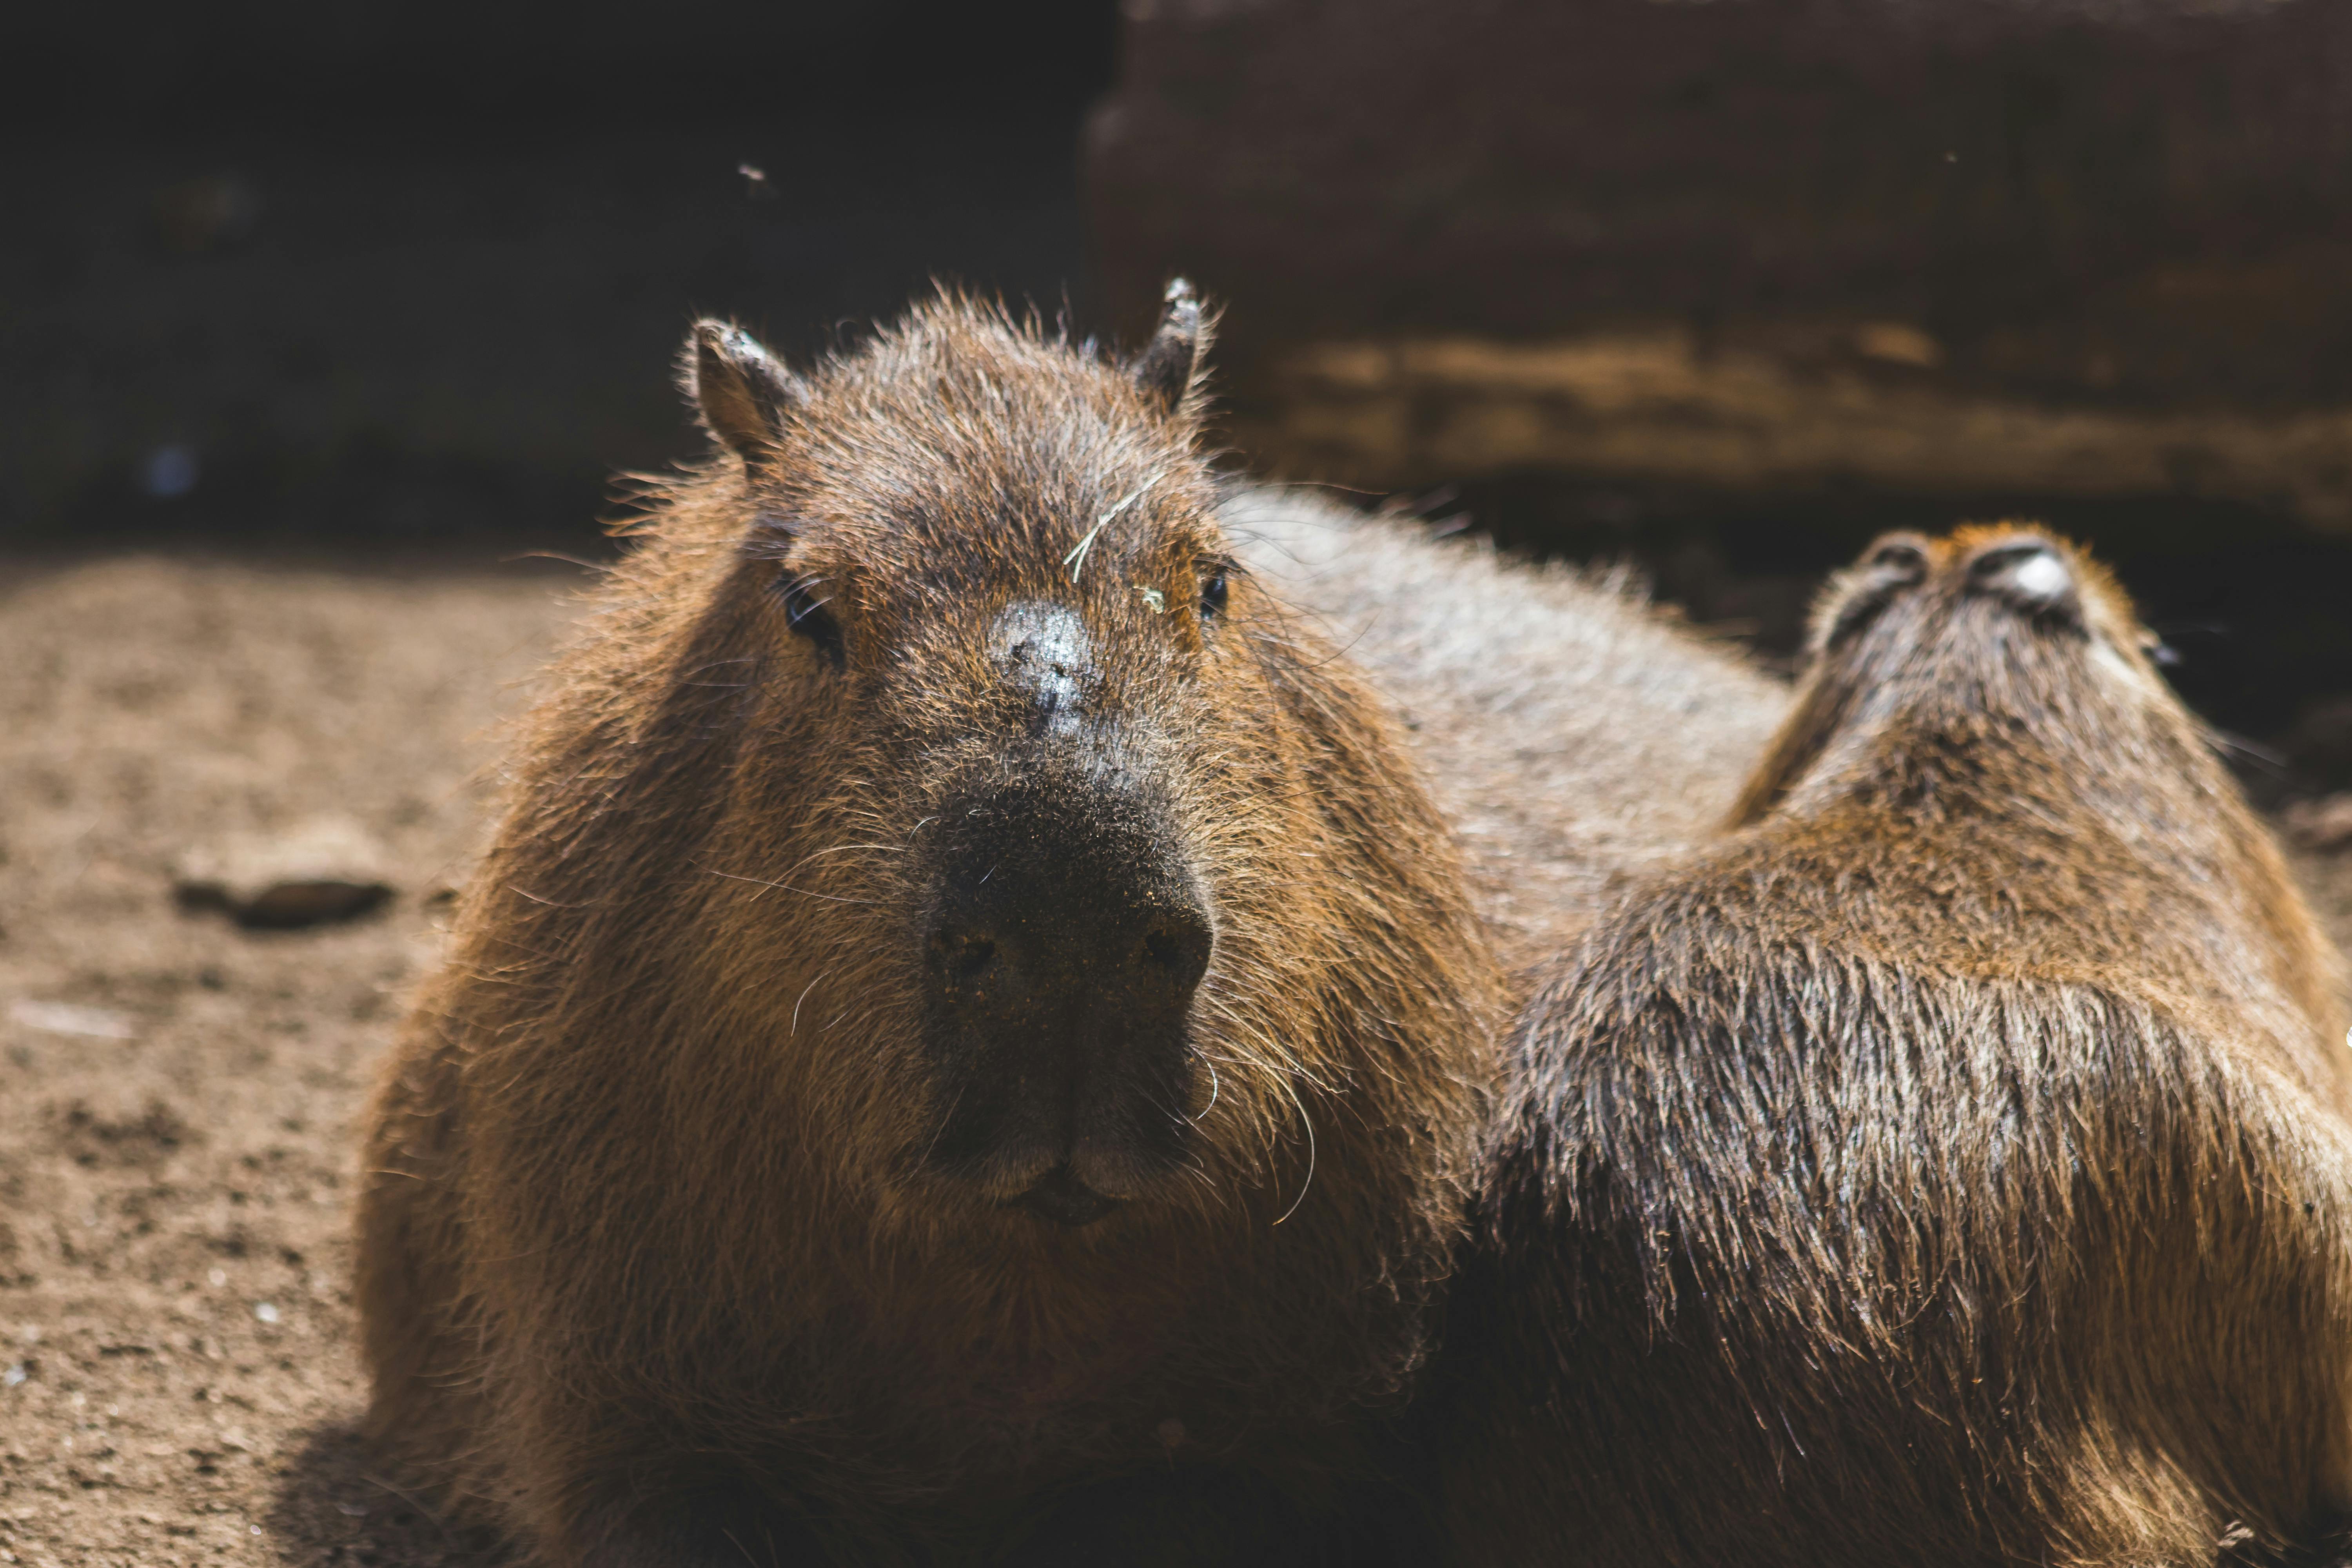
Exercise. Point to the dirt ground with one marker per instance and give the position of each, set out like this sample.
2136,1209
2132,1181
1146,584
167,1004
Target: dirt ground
177,1095
175,1325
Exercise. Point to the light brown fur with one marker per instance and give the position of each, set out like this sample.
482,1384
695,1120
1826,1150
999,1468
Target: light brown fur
1952,1166
647,1218
1574,734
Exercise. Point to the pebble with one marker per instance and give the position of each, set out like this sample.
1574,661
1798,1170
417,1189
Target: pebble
66,1018
325,869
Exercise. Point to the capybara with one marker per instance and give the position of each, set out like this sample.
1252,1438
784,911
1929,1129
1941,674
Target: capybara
968,1001
1948,1166
1574,735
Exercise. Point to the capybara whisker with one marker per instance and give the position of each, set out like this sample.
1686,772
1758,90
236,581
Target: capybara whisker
795,1029
1306,1122
1258,1052
523,893
784,887
815,855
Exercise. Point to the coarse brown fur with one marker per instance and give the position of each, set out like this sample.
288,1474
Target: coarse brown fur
1951,1166
649,1227
1575,735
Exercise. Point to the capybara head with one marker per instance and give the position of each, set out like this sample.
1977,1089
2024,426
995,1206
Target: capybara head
2004,672
967,996
1949,634
1008,724
1030,866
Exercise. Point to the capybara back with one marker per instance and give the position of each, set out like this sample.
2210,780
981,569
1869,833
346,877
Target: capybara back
1950,1165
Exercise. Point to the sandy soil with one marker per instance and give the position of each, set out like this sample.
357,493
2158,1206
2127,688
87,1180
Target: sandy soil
177,1096
175,1327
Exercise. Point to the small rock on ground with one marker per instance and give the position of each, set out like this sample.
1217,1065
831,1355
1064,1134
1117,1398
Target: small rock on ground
327,868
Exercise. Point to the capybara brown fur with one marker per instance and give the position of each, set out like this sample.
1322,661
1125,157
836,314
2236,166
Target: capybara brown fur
1948,1166
968,1000
1575,735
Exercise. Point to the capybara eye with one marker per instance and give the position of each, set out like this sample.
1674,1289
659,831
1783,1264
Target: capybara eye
805,613
1212,595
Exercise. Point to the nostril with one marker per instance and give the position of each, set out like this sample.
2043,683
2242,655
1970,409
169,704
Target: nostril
1180,948
964,955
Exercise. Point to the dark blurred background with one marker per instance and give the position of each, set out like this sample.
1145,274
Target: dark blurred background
355,271
1720,285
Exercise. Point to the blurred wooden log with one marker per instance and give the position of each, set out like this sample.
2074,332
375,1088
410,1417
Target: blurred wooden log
2092,246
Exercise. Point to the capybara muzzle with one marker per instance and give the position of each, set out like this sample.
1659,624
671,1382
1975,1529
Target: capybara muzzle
1066,941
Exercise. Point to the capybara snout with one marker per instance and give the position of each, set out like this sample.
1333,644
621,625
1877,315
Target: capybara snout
1067,937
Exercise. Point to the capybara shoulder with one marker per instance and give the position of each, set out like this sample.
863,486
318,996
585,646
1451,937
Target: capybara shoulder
969,997
1575,733
1949,1166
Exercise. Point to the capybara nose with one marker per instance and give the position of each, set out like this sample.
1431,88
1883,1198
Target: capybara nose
1025,956
1066,942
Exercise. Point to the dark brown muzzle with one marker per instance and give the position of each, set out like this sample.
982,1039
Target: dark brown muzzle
1067,936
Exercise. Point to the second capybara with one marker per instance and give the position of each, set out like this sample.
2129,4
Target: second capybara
1951,1166
968,1001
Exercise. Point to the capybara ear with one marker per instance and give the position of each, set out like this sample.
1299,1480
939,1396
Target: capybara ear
741,389
1849,600
1169,364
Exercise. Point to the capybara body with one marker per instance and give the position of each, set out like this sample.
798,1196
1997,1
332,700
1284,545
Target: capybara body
1949,1165
1575,736
968,1000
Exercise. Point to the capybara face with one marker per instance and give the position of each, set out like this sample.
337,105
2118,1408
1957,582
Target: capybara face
968,998
1009,699
1976,622
1035,730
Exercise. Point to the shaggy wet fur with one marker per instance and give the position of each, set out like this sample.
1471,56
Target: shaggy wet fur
652,1264
1951,1167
